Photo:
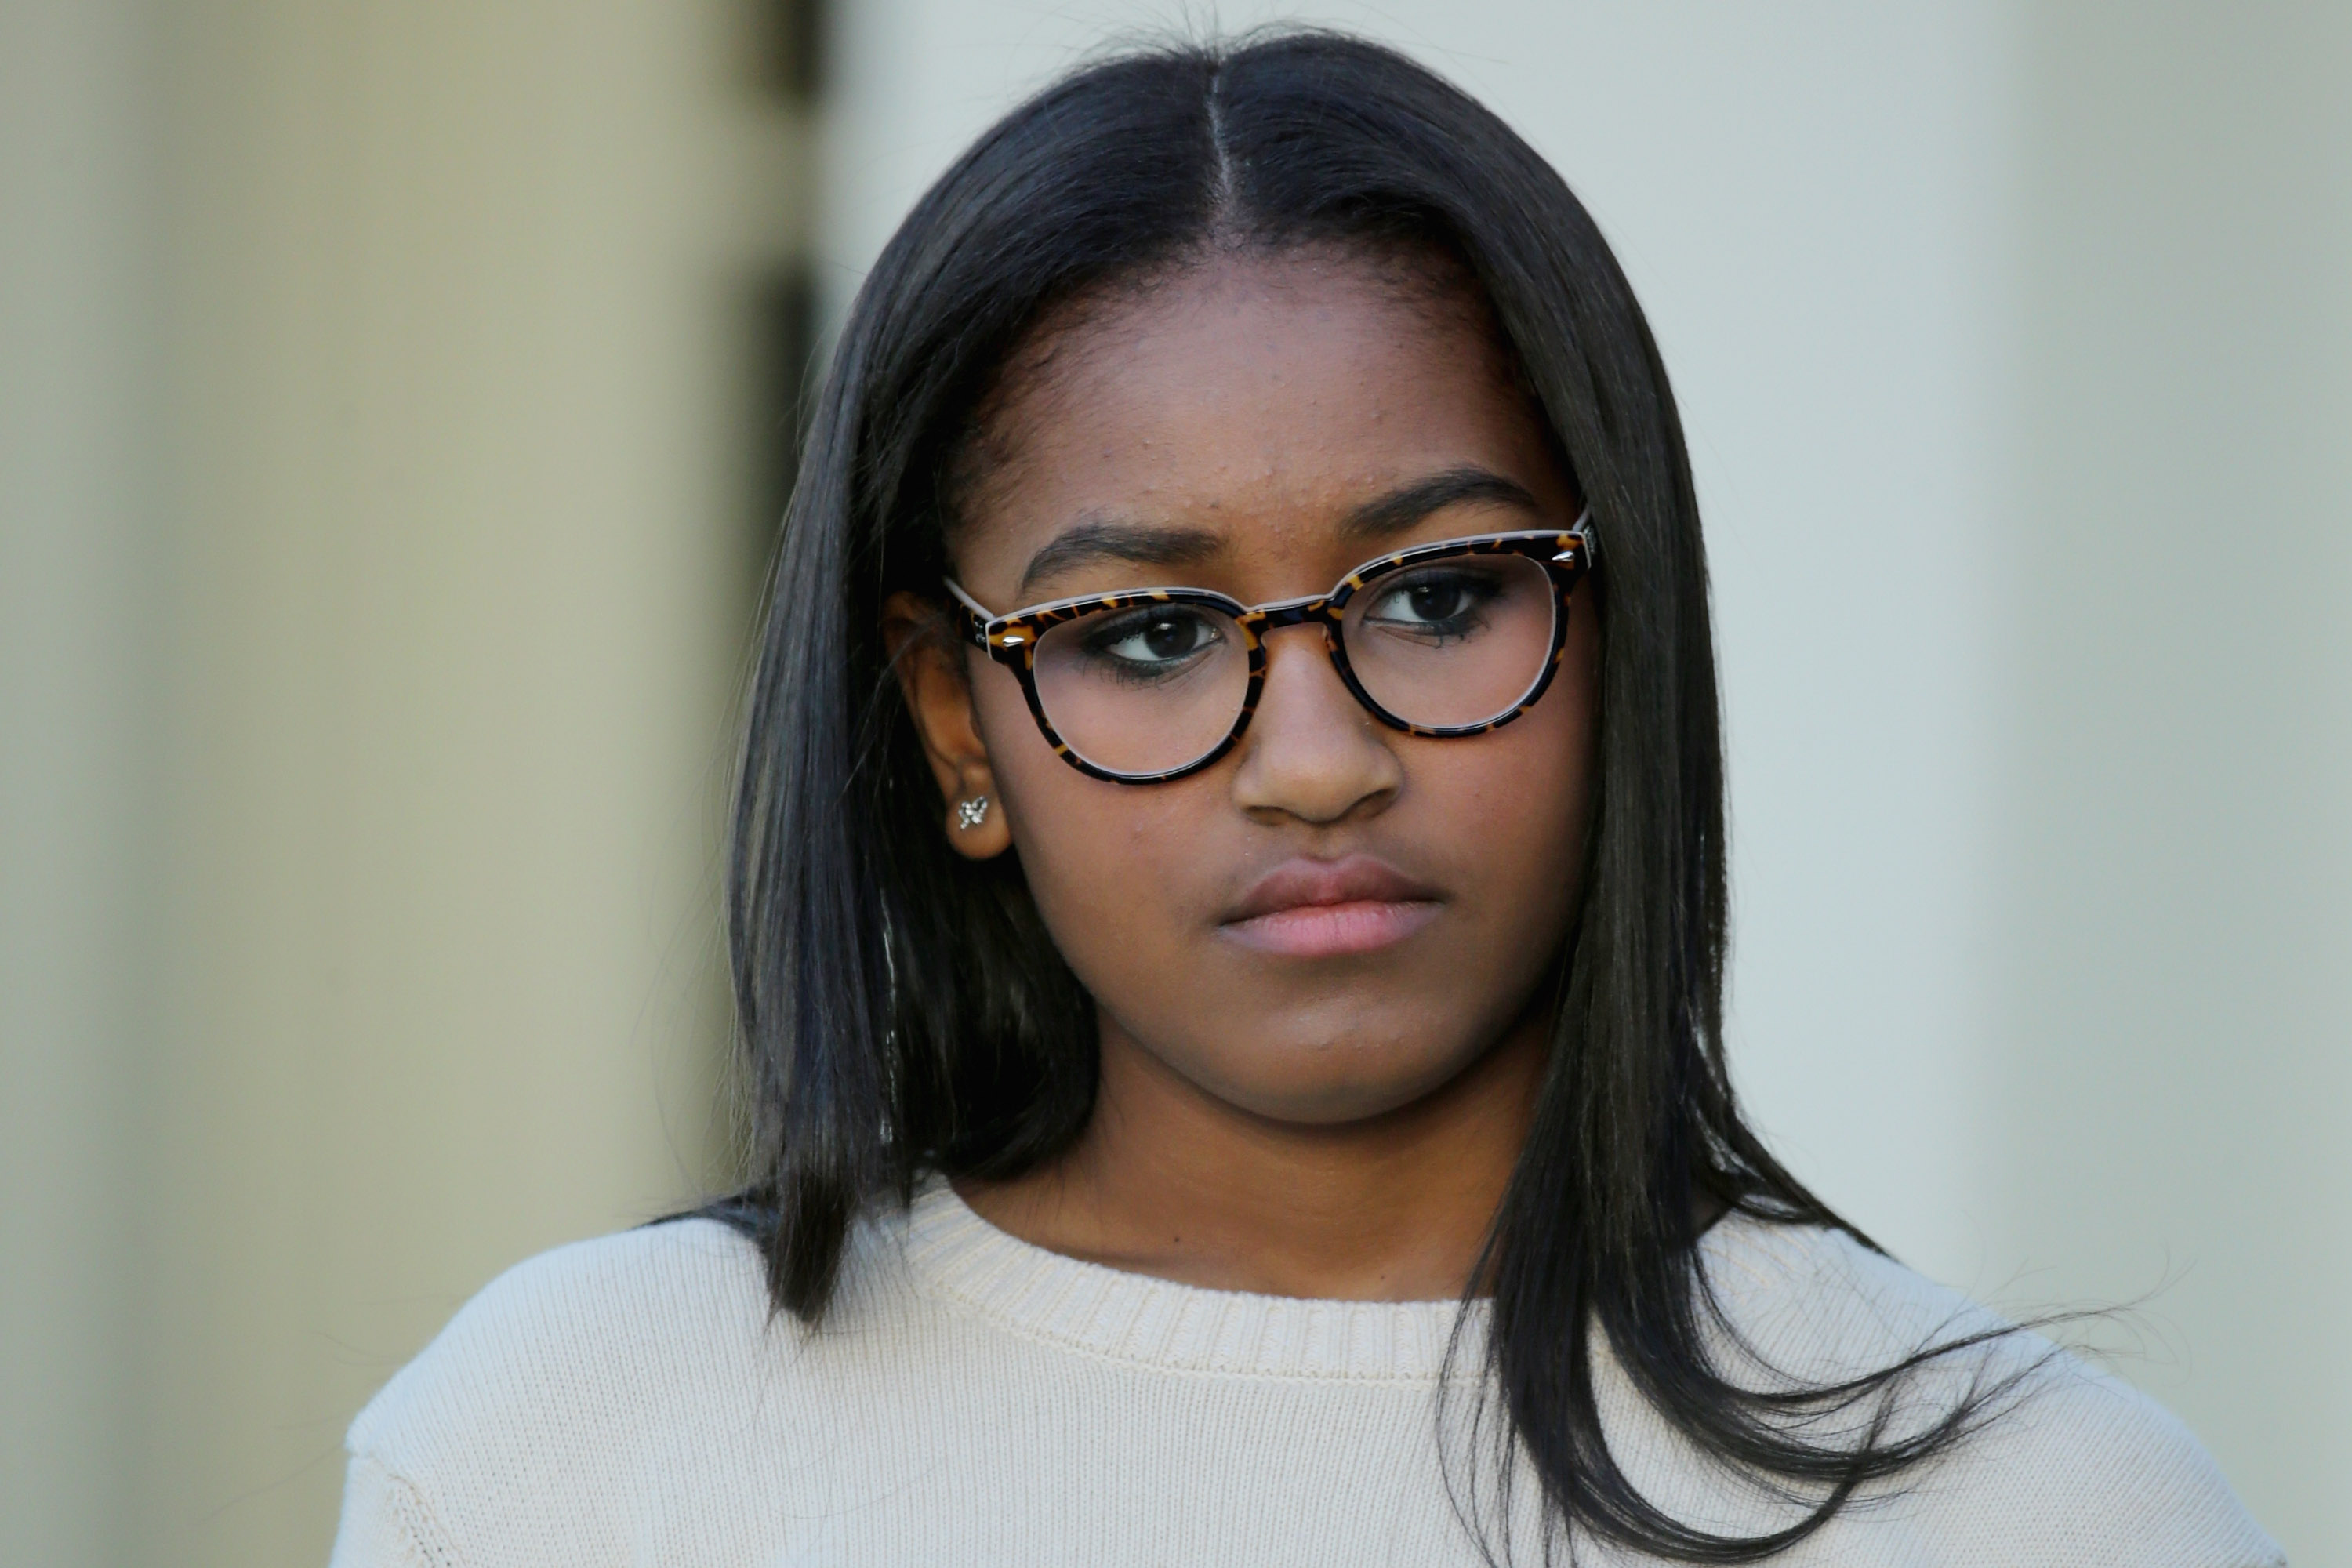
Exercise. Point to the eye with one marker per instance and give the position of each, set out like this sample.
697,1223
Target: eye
1152,641
1437,601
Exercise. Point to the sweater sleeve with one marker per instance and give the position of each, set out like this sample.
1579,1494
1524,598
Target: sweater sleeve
385,1523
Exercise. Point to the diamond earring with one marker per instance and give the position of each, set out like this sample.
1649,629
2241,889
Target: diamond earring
971,813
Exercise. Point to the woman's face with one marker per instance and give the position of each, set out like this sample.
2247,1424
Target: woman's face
1336,919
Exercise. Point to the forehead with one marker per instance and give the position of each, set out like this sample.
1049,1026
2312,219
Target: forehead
1261,396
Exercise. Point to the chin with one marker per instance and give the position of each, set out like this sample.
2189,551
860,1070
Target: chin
1336,1086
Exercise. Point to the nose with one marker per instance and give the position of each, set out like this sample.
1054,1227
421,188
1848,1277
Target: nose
1311,750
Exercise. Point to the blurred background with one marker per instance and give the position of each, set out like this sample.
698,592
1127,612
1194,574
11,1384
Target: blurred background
395,404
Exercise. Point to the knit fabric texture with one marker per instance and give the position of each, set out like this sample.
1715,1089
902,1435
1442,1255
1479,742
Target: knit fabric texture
975,1400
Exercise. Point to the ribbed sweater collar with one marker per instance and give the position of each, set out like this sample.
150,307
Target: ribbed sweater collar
960,1258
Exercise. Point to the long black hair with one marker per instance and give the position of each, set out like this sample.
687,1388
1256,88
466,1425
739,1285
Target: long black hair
904,1012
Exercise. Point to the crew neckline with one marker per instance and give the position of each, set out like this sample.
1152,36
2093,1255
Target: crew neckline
957,1258
1140,1319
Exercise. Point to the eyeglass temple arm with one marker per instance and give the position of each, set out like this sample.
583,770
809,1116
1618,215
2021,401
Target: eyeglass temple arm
980,614
1581,530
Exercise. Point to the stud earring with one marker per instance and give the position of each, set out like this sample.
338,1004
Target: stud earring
971,813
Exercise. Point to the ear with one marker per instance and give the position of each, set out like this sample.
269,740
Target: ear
930,664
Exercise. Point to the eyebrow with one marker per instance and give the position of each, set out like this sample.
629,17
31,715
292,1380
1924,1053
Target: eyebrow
1373,522
1376,521
1139,544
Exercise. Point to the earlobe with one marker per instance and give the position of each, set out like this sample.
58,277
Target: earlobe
929,668
977,827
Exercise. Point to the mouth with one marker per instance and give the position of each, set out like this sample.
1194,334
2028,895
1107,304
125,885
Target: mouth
1322,909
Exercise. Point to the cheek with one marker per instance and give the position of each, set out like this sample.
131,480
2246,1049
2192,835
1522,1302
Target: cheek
1512,807
1532,775
1103,860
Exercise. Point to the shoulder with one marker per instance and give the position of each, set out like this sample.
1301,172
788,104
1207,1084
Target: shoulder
572,1335
575,1390
2071,1466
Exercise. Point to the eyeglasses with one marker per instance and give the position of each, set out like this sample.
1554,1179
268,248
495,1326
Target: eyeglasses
1452,638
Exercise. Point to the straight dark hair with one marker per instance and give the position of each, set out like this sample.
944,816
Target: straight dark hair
904,1012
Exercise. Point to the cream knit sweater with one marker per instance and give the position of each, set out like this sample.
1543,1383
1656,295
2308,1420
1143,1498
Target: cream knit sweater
975,1400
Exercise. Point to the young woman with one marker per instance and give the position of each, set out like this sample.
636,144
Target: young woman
1228,921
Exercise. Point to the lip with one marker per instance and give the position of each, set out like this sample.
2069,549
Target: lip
1321,909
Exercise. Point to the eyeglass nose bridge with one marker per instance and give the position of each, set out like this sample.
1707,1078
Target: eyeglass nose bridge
1322,611
1313,610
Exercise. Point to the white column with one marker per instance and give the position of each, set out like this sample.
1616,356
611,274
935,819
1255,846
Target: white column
460,577
77,725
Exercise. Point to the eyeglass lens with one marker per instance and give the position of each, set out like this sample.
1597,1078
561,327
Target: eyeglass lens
1446,645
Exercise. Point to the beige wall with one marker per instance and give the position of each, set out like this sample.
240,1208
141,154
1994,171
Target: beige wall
397,707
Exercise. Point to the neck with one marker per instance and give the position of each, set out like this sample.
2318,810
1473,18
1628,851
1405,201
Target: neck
1168,1180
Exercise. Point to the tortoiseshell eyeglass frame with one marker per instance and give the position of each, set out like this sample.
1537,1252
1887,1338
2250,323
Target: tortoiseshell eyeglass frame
1012,639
